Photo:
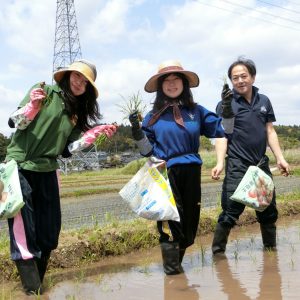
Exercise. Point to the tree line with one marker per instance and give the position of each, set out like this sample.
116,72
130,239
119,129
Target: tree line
289,137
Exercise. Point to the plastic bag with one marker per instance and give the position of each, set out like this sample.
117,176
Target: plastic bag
149,193
11,195
255,190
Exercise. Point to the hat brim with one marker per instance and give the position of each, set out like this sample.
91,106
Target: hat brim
151,84
58,75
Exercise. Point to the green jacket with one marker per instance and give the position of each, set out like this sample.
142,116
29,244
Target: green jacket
37,147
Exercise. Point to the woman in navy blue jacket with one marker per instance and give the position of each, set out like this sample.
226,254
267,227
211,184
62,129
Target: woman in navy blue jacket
171,132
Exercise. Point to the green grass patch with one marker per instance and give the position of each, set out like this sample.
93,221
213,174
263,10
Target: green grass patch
88,191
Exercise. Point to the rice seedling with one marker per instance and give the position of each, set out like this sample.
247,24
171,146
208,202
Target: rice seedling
292,264
99,279
292,248
252,240
145,270
203,251
80,276
47,100
100,140
49,281
253,258
133,104
236,255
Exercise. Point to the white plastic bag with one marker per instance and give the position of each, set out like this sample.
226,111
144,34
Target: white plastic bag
11,196
149,193
255,190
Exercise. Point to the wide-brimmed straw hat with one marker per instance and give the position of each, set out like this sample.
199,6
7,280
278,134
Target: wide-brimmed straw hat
87,69
168,67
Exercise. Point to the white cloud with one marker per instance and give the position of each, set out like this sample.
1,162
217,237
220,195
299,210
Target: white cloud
28,27
128,39
120,81
10,100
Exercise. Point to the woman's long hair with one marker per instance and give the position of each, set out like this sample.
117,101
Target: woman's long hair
84,106
185,98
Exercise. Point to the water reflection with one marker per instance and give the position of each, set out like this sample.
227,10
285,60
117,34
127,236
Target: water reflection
230,285
246,272
270,283
270,279
177,288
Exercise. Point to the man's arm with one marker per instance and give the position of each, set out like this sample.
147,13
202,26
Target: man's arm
273,142
221,149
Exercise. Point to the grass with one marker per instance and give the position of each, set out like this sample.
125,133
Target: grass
111,180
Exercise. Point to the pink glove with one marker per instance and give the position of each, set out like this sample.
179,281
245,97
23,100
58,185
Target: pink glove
91,135
34,105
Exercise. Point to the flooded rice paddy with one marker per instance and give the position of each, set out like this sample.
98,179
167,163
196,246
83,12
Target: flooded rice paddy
247,272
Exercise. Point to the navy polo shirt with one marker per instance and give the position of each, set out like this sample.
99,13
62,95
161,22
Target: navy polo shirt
249,138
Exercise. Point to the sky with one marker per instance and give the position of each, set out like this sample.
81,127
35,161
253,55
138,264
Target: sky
128,39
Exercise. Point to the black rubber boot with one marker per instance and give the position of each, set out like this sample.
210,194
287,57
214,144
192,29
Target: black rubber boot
181,254
268,233
171,258
29,275
220,239
42,264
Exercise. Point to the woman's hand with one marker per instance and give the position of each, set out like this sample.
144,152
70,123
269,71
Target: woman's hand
37,95
91,135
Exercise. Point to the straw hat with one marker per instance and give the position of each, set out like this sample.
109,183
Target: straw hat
87,69
167,67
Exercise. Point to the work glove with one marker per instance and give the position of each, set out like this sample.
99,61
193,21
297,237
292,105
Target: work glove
227,97
91,135
136,131
36,96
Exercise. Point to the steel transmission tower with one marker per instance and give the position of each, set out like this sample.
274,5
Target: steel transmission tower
66,45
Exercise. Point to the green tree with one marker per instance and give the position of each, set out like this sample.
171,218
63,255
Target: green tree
4,141
205,143
288,142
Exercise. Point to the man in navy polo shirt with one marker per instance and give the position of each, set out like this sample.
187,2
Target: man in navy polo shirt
253,131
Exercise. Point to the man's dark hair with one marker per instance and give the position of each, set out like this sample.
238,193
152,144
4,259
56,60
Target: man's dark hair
248,63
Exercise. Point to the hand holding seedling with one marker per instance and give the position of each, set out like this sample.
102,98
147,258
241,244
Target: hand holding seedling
134,119
91,135
37,95
284,168
227,97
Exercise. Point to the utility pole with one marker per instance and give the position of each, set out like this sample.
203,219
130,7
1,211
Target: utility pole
66,45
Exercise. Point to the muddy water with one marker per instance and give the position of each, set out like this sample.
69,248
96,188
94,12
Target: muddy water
246,272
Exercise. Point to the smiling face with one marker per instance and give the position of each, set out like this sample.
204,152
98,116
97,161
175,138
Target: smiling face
78,83
172,86
242,81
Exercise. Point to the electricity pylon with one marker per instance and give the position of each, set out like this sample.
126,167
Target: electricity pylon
66,45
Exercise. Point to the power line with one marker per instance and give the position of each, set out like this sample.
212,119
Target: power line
265,13
281,7
238,13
